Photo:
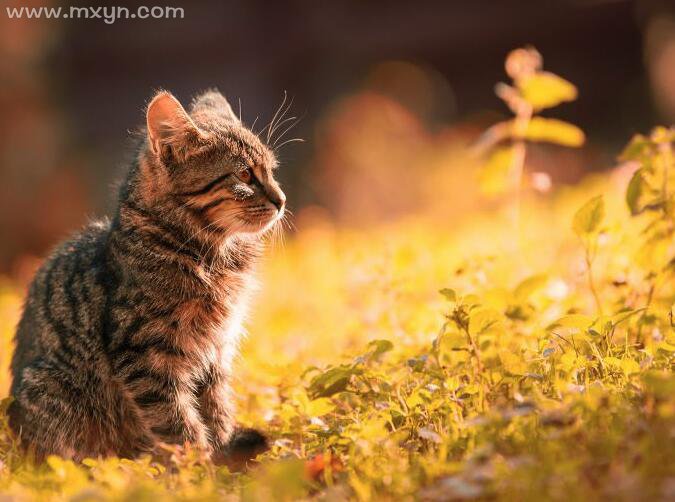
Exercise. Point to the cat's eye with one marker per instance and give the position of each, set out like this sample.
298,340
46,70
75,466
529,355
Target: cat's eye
246,175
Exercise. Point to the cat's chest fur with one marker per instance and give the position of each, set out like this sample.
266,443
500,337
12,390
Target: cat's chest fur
189,333
208,328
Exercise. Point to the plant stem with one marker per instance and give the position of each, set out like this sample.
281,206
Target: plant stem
591,281
650,296
520,125
474,349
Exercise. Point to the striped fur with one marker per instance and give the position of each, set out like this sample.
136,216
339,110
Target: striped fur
129,329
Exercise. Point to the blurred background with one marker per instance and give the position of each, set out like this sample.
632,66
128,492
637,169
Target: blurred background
389,95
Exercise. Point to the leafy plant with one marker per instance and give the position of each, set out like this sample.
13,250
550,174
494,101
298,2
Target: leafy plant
586,225
531,91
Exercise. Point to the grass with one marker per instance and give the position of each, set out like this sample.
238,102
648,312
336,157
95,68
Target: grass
374,385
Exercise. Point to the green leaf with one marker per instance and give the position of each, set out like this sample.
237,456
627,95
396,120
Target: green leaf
379,347
662,135
630,366
554,131
640,195
620,317
494,177
589,217
638,147
545,90
319,407
527,287
627,366
602,326
482,320
576,321
452,340
449,294
612,361
635,192
331,381
665,346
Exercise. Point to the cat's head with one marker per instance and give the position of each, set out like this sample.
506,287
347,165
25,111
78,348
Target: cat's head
211,166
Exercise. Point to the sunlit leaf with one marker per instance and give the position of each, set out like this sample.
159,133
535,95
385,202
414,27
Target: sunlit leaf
483,319
630,366
638,147
453,340
374,429
529,286
635,192
545,90
662,135
624,315
578,321
380,346
449,294
414,399
590,216
513,363
319,407
331,381
495,176
554,131
665,346
626,366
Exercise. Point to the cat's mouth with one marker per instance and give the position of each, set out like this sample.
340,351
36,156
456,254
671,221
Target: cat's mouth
260,218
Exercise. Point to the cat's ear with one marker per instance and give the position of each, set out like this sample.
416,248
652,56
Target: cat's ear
212,101
171,131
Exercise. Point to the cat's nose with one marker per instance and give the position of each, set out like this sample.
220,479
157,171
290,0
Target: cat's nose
279,200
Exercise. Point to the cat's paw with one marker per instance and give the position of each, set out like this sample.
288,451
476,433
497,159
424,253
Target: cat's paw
241,450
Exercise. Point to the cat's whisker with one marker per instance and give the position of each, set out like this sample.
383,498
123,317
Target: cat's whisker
274,117
285,131
281,123
280,231
292,140
280,119
288,221
274,236
283,115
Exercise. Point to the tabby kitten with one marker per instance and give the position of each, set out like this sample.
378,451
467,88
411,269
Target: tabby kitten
129,330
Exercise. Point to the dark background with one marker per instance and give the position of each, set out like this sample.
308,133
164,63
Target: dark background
71,91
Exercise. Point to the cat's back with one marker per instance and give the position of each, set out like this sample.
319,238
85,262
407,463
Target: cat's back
64,303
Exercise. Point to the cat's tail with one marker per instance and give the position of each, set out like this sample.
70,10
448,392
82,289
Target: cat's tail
244,446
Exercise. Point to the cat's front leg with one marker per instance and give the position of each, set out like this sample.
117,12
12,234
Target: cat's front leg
217,408
168,407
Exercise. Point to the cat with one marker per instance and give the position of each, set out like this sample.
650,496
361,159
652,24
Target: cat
129,329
